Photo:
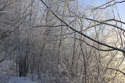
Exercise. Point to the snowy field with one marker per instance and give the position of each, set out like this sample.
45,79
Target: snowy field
8,74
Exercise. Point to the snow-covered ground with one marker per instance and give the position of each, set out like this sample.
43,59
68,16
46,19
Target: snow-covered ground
20,80
8,74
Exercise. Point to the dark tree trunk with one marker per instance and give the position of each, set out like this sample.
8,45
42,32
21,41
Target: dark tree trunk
23,68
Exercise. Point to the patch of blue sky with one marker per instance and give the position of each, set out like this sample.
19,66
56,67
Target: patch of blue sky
118,9
96,3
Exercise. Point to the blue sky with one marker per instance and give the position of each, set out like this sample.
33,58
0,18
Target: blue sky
120,6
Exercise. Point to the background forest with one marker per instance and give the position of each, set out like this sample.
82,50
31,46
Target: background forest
62,41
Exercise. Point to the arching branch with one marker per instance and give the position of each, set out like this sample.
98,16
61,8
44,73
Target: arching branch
114,48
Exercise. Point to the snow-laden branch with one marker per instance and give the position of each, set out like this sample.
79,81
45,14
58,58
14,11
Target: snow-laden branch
117,70
101,7
114,48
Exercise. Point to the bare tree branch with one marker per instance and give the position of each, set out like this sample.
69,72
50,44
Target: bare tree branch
117,70
94,46
106,23
108,5
114,48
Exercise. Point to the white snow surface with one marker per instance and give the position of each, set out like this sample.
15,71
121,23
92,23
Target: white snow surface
8,74
20,80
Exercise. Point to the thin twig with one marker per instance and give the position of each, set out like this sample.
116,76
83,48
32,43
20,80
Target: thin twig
114,48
